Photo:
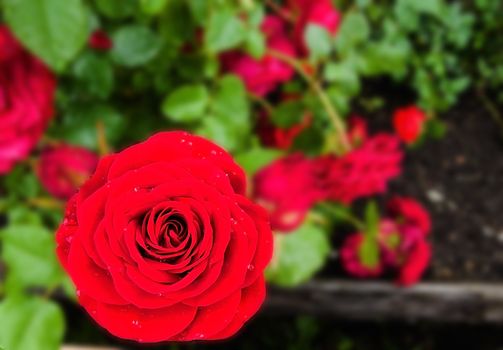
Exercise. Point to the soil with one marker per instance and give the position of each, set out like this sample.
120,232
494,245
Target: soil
460,180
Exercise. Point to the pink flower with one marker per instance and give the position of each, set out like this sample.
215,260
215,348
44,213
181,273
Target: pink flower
410,212
100,41
409,123
26,100
263,75
287,189
320,12
351,260
364,171
63,169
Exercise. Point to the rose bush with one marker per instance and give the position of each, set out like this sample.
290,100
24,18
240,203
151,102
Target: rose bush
162,244
26,100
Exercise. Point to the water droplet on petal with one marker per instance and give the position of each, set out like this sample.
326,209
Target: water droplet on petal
189,143
78,292
251,267
213,152
136,323
136,189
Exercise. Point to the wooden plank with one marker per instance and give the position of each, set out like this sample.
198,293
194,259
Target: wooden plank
360,300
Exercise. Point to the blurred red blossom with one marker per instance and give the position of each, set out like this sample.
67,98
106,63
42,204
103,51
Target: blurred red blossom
409,123
365,171
409,212
402,247
287,189
63,169
26,100
261,76
351,261
100,41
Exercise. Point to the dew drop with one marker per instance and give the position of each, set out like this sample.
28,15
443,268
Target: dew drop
199,335
136,323
69,239
78,292
189,143
213,152
182,140
136,189
251,267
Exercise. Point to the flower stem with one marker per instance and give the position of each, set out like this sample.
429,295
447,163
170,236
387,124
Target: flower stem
335,118
262,102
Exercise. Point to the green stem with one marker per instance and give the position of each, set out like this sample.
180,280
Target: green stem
335,118
344,216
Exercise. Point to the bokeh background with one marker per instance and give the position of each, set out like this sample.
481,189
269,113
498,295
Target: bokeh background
370,130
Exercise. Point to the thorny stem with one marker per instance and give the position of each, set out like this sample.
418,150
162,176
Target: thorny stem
336,120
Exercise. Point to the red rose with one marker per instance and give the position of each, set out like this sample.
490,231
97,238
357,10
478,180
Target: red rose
261,76
409,212
26,100
63,169
287,188
409,123
320,12
162,244
363,172
100,41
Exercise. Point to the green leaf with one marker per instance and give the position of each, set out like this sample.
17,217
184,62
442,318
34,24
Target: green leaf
186,104
372,219
228,123
117,9
354,30
319,42
288,114
257,158
224,31
255,43
96,74
30,324
298,255
153,7
55,30
135,45
29,252
344,75
368,252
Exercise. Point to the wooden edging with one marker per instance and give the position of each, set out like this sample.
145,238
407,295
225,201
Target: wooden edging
369,301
